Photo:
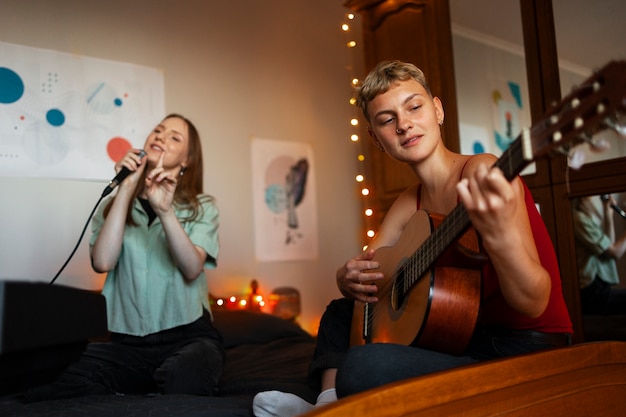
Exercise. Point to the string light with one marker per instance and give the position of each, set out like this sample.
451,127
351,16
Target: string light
361,179
247,300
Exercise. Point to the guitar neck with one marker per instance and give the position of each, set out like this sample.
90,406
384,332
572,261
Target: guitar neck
512,162
517,156
593,106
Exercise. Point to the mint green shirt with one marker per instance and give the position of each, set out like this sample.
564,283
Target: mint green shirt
145,292
591,245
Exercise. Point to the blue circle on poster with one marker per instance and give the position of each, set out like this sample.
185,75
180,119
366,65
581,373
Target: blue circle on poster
276,198
478,148
11,86
55,117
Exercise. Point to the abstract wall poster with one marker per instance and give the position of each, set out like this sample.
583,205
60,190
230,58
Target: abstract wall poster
509,117
284,200
474,139
70,116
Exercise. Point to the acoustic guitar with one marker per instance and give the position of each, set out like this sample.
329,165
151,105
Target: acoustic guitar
430,294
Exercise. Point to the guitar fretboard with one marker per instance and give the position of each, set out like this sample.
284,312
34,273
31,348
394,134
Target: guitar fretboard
512,162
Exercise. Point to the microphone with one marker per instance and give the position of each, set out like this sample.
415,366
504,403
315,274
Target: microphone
124,172
618,209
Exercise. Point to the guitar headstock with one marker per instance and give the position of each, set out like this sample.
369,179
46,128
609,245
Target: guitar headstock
599,103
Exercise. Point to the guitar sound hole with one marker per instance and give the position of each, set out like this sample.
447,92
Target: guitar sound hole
397,291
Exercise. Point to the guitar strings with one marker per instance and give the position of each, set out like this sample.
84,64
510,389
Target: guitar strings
415,267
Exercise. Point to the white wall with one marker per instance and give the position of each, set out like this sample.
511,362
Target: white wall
239,69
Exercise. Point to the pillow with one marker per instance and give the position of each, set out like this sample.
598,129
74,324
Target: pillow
239,327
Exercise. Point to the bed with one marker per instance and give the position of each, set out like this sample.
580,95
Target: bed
263,352
588,379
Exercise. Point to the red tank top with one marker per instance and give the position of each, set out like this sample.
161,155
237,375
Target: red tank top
495,311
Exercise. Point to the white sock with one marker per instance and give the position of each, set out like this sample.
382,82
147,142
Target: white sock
279,404
326,397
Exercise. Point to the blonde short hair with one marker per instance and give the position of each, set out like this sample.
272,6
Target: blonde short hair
380,79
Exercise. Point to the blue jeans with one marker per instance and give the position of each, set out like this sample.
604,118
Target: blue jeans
363,367
187,359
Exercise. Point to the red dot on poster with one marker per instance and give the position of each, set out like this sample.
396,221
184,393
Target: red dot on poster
117,148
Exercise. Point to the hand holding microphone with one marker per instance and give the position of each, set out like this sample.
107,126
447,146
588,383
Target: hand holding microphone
124,172
618,209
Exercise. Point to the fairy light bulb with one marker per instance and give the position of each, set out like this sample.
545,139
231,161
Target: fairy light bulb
365,191
359,178
354,122
369,212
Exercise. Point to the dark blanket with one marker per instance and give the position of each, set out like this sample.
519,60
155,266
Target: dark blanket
263,352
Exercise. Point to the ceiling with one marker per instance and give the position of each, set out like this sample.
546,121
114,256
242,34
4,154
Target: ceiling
588,33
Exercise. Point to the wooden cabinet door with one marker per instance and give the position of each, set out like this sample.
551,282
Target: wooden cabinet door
416,31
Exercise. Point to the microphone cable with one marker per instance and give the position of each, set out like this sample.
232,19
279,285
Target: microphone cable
124,172
79,240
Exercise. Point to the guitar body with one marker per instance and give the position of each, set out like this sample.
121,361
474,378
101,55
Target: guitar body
439,311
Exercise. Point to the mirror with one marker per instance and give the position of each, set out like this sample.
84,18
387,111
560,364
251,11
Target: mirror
603,28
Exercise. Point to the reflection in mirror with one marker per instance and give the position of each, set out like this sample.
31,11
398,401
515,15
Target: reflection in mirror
599,224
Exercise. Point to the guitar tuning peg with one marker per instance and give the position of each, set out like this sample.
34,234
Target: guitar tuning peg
618,125
576,156
596,144
576,159
599,145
